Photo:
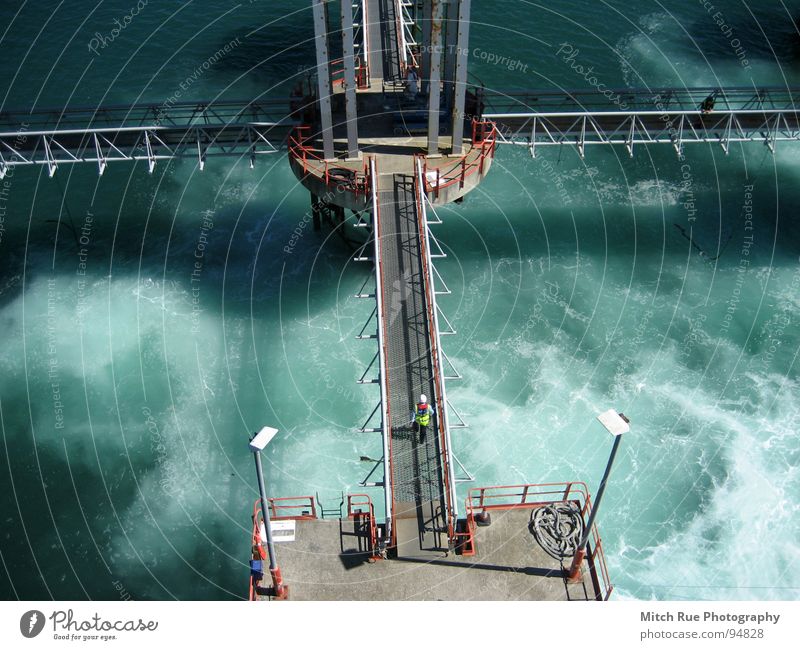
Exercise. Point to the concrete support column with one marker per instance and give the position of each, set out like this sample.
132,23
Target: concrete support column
323,76
450,50
460,86
425,73
351,109
434,92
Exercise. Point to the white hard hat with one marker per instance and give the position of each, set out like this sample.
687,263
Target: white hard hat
423,399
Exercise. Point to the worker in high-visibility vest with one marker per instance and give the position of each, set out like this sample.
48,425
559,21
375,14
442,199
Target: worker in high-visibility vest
423,412
412,84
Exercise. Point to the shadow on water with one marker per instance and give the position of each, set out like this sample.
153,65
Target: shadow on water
35,539
275,58
97,511
251,243
522,218
782,44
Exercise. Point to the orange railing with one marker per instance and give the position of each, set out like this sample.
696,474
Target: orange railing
291,508
337,72
484,142
597,558
510,497
280,509
362,73
430,306
314,164
360,501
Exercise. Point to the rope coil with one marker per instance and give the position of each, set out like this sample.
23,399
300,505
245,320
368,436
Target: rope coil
558,528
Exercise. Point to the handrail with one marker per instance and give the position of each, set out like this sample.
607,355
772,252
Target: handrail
433,323
354,500
276,505
362,73
585,98
486,146
257,547
361,70
365,37
409,48
222,112
401,36
480,498
655,112
386,431
532,495
306,155
335,72
279,504
598,556
406,55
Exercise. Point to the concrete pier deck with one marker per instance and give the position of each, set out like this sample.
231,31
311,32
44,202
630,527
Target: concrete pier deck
329,560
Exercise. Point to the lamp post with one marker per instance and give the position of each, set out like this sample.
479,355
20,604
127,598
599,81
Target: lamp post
616,424
257,444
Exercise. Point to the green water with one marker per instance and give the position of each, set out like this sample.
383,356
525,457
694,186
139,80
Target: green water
130,386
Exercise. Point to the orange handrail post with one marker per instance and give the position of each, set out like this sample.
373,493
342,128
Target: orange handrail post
364,500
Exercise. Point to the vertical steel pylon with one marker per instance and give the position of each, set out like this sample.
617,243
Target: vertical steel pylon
323,76
349,61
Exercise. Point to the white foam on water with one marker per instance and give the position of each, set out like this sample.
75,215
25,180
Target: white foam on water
741,542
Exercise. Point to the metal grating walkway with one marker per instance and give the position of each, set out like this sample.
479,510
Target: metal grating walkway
384,55
417,484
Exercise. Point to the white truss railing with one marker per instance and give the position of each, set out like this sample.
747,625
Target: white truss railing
361,34
382,406
629,128
405,34
148,143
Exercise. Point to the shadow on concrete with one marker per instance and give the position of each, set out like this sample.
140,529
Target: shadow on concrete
529,571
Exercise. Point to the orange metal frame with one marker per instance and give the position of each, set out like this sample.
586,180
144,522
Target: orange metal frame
315,165
437,377
280,509
511,497
484,137
285,508
362,73
361,500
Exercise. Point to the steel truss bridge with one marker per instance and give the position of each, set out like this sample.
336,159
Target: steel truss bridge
147,132
674,116
249,129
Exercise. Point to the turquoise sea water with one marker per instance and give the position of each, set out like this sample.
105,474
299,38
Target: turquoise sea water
125,412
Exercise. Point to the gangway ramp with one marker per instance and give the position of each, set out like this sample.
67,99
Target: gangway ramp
420,497
383,39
